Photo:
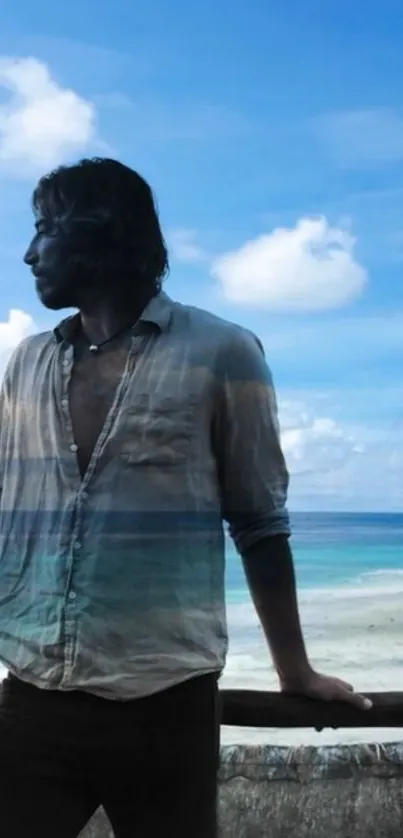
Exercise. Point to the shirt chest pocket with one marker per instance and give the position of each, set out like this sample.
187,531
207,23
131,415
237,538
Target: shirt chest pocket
157,433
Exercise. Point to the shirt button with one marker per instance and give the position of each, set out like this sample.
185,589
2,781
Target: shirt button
72,595
73,447
65,403
77,545
66,362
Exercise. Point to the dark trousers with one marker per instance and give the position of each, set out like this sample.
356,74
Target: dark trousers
151,763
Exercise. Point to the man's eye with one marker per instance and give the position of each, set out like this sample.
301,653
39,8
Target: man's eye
43,229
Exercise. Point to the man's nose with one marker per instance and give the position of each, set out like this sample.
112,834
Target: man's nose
30,256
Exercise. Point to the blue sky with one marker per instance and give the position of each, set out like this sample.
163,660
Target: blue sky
272,134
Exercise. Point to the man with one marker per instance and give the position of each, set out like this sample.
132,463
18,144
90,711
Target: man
128,435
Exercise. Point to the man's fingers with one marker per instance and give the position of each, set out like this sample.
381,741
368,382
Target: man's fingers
346,693
354,698
360,701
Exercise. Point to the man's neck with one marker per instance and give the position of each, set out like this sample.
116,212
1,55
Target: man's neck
101,321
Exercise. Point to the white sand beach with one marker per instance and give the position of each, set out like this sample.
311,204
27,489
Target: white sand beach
354,632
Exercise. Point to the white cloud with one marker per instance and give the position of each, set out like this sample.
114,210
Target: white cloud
41,123
184,247
18,326
336,466
314,444
310,267
360,138
12,331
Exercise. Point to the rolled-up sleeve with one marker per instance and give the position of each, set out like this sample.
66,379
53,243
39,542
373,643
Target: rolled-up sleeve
252,470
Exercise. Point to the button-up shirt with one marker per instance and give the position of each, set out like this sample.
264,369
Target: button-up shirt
113,582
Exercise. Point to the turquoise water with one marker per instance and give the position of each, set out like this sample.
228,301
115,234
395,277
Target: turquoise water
350,591
333,550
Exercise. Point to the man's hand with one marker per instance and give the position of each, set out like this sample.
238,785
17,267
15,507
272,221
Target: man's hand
325,688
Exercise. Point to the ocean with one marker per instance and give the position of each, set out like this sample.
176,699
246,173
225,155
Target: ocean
350,583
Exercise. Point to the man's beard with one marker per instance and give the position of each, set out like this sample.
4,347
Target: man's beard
67,287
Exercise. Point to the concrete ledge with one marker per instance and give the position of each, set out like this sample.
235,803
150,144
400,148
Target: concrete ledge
344,791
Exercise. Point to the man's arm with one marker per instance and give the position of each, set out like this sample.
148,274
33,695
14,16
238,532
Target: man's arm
254,485
269,570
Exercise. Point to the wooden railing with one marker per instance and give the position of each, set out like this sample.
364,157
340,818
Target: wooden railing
255,708
251,708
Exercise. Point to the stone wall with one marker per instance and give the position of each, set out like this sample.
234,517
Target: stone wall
353,791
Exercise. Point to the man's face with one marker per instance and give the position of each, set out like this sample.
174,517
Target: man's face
54,264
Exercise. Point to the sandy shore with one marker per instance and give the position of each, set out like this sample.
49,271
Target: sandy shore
354,633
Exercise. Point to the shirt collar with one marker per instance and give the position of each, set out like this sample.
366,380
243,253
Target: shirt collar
158,311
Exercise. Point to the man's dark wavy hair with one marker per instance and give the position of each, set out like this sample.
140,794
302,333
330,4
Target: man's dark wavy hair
111,210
